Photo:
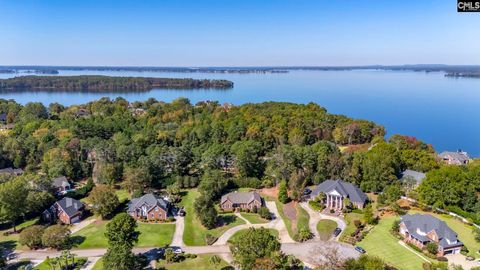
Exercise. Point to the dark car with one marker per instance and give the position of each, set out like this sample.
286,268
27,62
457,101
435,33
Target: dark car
336,232
307,191
359,249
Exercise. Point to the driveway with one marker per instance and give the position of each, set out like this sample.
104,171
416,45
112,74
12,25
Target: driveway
82,224
278,224
178,235
316,216
459,259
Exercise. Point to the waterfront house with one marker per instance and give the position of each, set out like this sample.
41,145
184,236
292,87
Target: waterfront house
455,158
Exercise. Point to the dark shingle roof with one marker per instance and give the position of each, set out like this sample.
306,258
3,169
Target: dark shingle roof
345,189
419,225
3,117
241,197
149,200
70,206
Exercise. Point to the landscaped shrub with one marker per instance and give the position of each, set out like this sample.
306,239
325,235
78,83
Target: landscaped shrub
442,259
303,235
357,223
332,211
432,248
464,250
210,239
32,236
265,213
316,205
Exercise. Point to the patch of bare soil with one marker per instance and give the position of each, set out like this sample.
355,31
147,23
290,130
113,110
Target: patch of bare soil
269,192
290,211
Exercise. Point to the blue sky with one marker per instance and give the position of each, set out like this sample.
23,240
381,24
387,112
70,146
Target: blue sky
236,33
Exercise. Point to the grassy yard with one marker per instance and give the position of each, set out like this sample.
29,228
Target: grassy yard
194,233
464,231
98,265
254,218
349,219
11,240
45,266
202,262
325,228
294,225
380,242
123,195
240,233
151,235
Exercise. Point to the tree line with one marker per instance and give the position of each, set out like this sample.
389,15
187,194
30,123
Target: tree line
106,83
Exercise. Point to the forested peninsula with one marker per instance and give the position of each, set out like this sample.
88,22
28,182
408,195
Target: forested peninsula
106,83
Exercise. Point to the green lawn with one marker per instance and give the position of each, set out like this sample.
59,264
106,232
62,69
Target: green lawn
123,195
98,265
349,218
202,262
254,218
464,231
151,235
380,242
45,266
194,233
12,239
240,233
294,226
325,228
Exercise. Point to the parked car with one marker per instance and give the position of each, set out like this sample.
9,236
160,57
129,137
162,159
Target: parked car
336,232
359,249
307,191
177,250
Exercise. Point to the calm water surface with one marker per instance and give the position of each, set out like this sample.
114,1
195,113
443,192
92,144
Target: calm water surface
442,111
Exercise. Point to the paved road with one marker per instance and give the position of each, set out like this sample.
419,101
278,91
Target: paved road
178,235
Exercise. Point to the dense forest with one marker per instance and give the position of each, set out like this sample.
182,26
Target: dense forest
154,144
106,84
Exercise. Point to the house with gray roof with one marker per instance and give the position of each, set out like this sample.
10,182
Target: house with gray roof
240,200
420,230
455,158
336,191
412,175
149,207
61,185
11,171
67,210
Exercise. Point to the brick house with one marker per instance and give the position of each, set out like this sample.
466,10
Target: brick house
421,229
66,210
240,200
149,207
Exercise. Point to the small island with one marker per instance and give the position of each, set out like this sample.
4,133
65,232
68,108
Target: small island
106,83
463,74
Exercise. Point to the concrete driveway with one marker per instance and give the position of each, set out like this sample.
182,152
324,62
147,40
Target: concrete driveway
178,234
316,216
459,259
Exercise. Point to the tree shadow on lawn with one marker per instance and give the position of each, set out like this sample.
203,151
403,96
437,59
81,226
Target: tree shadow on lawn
75,241
224,220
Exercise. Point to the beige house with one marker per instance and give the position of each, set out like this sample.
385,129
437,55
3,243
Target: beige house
240,200
337,191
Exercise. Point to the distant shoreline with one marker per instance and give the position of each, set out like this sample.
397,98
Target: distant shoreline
95,83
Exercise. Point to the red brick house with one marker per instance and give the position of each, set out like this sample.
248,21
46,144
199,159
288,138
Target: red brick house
149,207
240,200
420,230
67,211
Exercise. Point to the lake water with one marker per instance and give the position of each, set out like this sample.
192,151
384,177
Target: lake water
442,111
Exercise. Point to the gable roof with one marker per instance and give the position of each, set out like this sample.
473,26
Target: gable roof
241,197
11,170
418,176
149,200
60,182
345,189
70,206
425,224
459,156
